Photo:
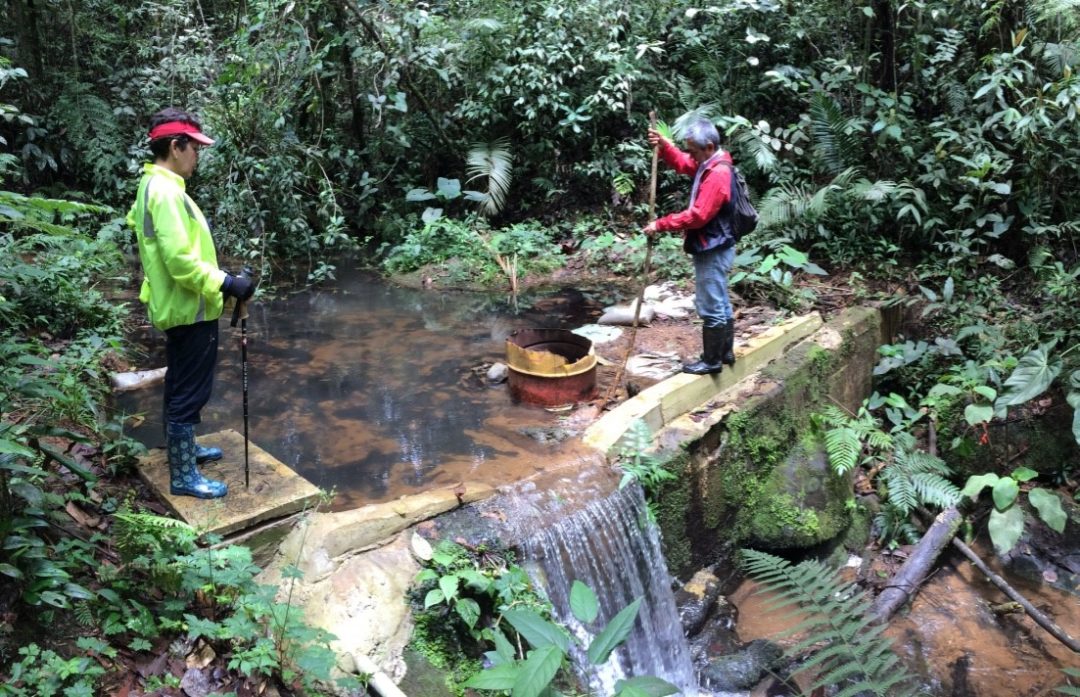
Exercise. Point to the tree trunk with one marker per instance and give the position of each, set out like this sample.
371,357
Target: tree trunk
914,571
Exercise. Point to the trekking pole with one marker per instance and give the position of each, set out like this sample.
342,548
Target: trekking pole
644,271
240,313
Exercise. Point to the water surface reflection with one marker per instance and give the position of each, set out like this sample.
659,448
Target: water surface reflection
374,389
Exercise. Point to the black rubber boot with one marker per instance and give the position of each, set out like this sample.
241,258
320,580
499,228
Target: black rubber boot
727,345
712,344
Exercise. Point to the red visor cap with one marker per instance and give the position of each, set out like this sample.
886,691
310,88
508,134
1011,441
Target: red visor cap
179,128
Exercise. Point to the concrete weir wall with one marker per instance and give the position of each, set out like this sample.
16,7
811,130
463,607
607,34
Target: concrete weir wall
748,474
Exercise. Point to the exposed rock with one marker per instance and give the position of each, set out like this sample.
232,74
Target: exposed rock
360,603
357,566
498,373
802,504
195,683
743,669
696,599
719,634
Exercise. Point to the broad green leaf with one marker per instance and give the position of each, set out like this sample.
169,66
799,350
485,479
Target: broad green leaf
1049,507
986,391
425,575
1024,474
536,630
448,584
9,570
430,215
12,448
1005,492
433,597
1033,374
498,678
503,646
419,195
537,672
613,634
647,685
448,188
476,580
976,483
976,414
469,610
630,691
583,602
1006,528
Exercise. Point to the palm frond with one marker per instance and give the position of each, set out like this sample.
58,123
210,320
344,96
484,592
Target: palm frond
787,204
847,650
491,162
836,137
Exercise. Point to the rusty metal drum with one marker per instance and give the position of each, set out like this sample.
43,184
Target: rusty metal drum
550,367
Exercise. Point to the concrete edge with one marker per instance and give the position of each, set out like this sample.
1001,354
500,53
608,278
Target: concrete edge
666,401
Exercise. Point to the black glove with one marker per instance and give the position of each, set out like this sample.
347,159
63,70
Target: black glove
239,287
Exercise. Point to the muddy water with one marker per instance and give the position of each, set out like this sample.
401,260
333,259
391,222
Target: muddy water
378,391
952,637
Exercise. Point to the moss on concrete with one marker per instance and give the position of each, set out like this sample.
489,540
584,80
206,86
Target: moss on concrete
747,480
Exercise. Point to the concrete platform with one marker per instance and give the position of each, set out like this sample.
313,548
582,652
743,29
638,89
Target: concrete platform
661,404
275,490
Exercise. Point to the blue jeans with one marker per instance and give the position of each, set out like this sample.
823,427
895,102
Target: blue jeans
711,269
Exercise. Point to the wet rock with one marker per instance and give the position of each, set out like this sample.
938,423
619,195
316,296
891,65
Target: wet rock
743,669
718,635
498,373
803,503
195,683
696,599
553,434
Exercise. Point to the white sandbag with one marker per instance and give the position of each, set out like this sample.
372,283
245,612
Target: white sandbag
655,365
124,382
623,315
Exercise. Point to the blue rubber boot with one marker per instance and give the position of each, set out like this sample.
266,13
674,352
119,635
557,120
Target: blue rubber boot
207,454
185,479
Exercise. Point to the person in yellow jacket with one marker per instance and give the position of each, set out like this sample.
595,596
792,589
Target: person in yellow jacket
183,290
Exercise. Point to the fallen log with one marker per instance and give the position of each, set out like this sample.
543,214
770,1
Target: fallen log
914,571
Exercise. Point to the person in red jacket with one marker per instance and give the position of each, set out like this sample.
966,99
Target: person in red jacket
707,237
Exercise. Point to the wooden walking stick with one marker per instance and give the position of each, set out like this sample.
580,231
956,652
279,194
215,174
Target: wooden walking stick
644,272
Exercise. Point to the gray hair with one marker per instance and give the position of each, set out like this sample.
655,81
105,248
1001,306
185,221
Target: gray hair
702,132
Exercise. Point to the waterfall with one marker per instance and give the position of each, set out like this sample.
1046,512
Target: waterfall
609,546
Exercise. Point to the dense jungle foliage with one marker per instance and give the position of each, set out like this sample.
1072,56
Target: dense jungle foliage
925,153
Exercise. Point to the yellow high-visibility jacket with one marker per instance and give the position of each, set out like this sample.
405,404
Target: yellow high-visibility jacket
182,281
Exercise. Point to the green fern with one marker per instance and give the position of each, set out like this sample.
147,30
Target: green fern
915,478
846,436
841,646
1069,689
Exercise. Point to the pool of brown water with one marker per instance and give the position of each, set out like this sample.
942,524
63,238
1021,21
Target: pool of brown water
379,391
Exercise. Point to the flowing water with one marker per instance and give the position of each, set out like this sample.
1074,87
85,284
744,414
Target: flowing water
610,547
952,637
379,391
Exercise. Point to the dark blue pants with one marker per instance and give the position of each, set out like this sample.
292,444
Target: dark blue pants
191,357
